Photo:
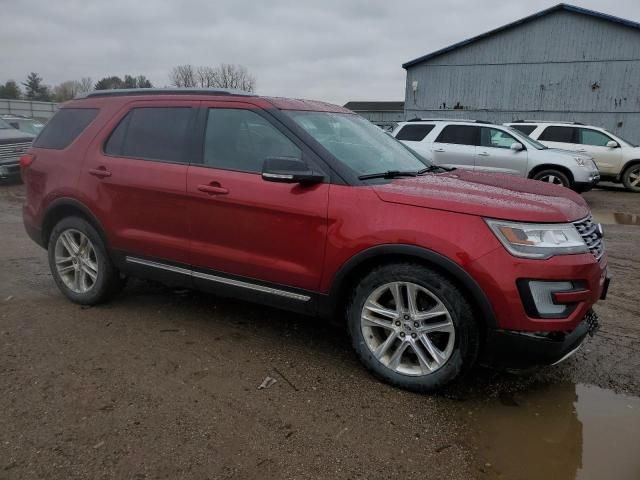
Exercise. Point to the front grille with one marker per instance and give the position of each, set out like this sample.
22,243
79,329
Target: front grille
592,236
10,151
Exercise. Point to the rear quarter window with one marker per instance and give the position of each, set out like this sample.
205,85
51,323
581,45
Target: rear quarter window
414,133
526,129
560,134
64,127
460,135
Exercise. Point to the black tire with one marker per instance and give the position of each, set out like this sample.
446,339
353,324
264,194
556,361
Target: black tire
107,282
467,339
551,175
631,175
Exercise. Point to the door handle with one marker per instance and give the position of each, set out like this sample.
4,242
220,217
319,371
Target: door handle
438,149
213,188
100,172
483,154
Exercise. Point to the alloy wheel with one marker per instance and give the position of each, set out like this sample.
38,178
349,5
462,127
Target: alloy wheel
552,179
634,177
407,328
76,261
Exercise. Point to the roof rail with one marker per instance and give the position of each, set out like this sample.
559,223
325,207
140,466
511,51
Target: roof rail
118,92
546,121
449,120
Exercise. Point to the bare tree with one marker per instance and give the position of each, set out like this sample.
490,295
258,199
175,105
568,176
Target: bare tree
66,90
223,76
183,76
85,85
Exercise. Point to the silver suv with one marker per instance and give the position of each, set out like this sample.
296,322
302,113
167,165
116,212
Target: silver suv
13,144
483,146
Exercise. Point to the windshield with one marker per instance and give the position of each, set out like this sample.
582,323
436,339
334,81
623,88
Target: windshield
358,143
526,139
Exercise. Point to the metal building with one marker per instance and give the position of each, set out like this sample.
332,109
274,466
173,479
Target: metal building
563,63
383,114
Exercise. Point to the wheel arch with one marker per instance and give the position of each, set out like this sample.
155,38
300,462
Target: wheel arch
628,163
361,263
552,166
66,207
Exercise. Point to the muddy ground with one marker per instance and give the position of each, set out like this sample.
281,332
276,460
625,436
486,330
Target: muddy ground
163,384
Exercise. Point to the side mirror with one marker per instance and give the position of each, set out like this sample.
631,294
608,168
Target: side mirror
612,144
289,170
517,146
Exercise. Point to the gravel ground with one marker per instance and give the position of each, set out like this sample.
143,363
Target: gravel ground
163,384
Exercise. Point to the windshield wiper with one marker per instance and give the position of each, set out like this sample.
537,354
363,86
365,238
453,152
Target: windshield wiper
433,168
388,174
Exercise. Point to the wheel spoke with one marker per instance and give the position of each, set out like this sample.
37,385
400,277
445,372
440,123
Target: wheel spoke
436,311
412,298
375,307
384,346
397,296
437,355
69,243
445,326
90,272
394,361
61,260
67,269
76,280
425,366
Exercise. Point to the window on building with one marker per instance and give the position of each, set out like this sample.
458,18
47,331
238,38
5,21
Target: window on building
64,127
414,133
526,129
593,137
560,134
460,135
155,133
241,140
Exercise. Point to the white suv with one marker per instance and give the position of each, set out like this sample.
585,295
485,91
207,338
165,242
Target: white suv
618,160
486,147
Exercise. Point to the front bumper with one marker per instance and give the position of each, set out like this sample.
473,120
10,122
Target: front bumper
512,349
10,169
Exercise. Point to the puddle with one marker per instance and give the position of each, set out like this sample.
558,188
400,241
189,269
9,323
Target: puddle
565,431
616,218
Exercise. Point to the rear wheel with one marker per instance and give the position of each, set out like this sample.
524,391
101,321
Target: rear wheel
79,263
631,178
412,327
553,176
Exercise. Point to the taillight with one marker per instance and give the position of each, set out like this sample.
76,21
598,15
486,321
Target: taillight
26,160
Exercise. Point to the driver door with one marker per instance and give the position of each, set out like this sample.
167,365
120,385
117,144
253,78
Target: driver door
241,225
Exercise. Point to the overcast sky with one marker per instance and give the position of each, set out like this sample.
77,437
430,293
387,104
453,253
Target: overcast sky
333,50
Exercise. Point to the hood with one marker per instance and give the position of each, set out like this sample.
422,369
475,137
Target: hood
488,195
11,135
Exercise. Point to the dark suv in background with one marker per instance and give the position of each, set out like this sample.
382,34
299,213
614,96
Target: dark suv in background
13,144
307,206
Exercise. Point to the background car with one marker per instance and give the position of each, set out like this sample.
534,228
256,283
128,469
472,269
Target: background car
13,144
483,146
24,124
617,159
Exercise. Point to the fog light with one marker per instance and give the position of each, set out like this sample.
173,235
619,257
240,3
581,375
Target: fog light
542,295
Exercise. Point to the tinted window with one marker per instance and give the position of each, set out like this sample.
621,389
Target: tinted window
559,134
64,127
414,133
492,137
593,137
152,133
242,139
459,134
526,129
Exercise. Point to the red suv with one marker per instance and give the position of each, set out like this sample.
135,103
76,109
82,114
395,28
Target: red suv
309,207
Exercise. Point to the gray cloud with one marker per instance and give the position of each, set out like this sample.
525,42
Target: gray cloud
334,50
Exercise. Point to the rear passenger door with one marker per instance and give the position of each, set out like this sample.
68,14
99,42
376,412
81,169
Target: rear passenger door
246,231
135,177
496,156
456,146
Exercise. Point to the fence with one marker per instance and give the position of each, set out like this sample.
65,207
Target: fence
40,110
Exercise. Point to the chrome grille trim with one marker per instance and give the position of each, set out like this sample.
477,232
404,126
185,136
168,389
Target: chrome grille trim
588,230
13,150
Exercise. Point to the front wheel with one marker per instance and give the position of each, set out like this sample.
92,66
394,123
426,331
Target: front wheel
631,178
80,264
555,177
412,327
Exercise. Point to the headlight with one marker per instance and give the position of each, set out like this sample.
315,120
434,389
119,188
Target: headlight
580,161
538,240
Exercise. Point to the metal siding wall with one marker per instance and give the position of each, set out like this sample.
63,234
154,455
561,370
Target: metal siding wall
564,66
41,110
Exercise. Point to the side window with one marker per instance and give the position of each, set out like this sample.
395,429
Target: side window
526,129
492,137
414,133
593,137
64,127
559,134
154,133
241,139
459,134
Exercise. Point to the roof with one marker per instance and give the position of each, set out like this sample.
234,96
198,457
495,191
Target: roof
560,7
375,106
